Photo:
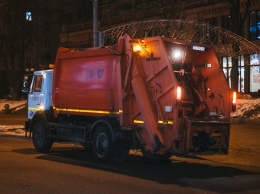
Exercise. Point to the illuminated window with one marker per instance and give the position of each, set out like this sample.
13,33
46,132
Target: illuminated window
254,28
28,16
227,66
241,74
254,73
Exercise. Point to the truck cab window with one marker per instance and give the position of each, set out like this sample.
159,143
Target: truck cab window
37,83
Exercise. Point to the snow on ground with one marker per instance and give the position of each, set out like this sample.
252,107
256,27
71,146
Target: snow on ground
18,129
247,107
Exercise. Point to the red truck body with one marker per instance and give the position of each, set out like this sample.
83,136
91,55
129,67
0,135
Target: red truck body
135,84
86,81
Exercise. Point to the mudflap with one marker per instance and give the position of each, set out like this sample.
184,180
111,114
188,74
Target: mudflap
27,126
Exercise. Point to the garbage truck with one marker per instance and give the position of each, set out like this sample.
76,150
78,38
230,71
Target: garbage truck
159,95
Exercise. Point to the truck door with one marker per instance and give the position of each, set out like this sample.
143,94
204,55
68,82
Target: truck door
35,95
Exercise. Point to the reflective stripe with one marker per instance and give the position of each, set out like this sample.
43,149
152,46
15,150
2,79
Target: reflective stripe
160,122
138,122
87,111
30,108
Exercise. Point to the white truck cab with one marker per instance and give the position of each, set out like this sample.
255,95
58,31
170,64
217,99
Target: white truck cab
39,96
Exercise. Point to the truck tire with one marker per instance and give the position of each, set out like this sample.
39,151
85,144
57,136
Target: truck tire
102,143
40,140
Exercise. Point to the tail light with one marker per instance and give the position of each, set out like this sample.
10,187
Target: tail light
234,101
178,97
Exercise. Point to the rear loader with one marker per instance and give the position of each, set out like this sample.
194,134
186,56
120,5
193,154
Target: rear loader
160,95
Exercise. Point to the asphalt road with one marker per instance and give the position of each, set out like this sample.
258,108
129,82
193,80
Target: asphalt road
70,169
17,118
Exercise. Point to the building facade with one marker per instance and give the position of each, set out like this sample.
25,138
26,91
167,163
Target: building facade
113,13
30,35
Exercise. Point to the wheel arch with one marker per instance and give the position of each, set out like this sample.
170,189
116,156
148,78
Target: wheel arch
38,116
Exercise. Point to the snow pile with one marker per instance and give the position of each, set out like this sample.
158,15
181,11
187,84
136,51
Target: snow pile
247,107
18,105
8,128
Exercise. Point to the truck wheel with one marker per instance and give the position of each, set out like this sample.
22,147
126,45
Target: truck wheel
39,138
102,143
